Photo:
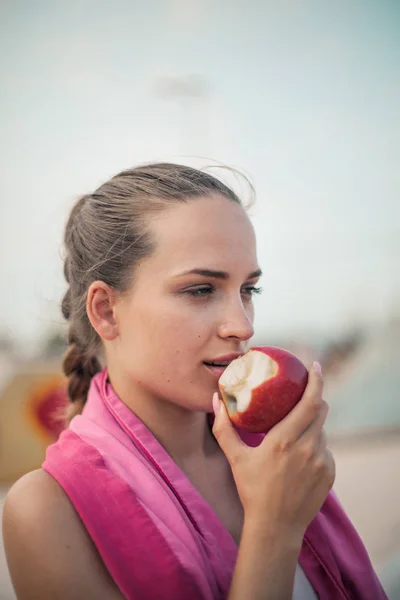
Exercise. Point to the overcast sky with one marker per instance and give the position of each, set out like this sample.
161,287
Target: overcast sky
302,95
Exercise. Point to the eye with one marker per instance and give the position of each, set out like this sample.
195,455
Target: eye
251,290
200,292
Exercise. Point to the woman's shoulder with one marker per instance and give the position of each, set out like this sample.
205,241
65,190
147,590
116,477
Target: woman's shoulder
36,503
48,550
35,490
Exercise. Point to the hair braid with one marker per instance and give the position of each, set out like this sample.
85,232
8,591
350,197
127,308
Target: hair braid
79,367
80,362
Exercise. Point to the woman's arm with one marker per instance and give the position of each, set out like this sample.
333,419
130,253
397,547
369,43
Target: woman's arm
266,565
282,484
48,550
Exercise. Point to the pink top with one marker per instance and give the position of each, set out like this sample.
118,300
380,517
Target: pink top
157,535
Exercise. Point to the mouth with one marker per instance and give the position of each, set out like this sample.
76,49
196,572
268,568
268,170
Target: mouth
218,366
215,369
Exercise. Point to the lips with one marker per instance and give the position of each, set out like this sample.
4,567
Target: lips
217,365
223,360
215,370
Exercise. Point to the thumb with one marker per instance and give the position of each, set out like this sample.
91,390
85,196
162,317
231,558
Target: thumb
224,432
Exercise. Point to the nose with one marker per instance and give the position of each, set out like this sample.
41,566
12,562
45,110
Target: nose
236,321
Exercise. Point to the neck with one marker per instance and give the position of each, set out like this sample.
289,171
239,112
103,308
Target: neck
186,435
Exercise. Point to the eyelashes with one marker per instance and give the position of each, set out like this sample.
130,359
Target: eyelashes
207,290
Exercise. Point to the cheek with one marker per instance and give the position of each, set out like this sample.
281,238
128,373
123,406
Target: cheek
182,338
161,333
162,347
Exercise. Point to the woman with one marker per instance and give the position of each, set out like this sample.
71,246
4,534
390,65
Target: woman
146,495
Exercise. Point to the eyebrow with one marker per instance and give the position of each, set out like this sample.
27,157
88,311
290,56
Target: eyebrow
218,274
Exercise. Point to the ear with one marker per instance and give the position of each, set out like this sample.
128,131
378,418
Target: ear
100,307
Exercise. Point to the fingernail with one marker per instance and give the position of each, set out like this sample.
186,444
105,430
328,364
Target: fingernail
216,403
317,368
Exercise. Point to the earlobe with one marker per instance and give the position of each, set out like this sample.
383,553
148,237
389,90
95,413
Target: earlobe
100,306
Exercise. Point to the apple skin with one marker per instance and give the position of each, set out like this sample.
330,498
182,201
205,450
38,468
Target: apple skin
273,399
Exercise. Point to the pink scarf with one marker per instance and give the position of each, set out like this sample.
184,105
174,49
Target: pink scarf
157,536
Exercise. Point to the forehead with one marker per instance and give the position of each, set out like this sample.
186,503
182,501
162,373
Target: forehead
204,232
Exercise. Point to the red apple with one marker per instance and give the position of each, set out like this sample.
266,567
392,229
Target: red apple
261,387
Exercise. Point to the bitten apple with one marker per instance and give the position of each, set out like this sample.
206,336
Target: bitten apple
261,387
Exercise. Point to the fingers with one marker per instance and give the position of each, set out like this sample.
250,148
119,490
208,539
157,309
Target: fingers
322,441
315,446
325,458
315,429
326,461
331,467
225,434
306,411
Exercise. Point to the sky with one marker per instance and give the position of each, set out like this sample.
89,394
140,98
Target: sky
302,96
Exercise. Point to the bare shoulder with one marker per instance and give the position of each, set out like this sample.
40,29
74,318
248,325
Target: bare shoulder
49,552
34,491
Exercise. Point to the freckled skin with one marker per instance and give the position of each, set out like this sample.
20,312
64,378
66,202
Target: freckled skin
164,331
273,399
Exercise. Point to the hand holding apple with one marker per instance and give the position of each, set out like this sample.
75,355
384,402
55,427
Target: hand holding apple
283,481
261,387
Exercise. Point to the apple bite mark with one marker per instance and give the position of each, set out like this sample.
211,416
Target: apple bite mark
261,387
243,376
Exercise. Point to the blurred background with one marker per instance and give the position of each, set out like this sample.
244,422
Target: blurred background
303,97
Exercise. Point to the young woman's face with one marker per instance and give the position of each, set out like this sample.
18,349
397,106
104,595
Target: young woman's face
191,302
